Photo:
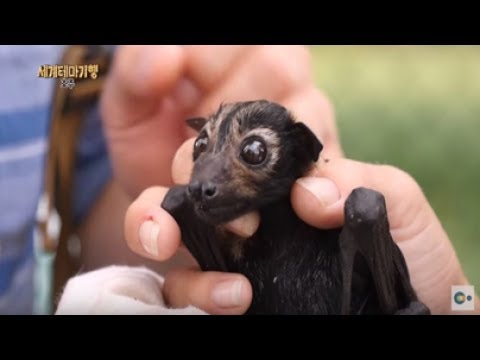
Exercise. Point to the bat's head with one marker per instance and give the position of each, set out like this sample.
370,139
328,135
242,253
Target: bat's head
247,155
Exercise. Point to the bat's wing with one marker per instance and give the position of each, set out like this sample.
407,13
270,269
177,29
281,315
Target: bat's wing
367,233
198,237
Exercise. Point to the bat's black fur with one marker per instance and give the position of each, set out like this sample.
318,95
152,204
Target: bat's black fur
247,157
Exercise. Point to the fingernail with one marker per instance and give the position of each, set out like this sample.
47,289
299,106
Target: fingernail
228,293
323,189
148,234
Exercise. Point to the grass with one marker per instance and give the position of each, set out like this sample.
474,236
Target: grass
418,108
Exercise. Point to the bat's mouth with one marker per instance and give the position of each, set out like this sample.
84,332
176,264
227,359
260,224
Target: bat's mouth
217,204
219,214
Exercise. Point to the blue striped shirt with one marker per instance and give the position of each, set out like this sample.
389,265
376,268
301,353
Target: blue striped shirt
24,126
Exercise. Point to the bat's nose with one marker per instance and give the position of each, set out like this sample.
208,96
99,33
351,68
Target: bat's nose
209,190
198,190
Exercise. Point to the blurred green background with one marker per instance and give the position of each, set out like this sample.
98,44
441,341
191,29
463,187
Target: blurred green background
418,108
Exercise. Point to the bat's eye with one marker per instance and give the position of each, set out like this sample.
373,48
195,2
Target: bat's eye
200,145
253,151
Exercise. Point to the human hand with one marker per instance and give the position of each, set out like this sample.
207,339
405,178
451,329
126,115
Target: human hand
433,265
152,232
151,90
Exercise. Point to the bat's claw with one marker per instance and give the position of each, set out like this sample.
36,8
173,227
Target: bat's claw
367,232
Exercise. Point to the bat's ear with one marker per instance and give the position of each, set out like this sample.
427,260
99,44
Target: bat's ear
196,123
307,140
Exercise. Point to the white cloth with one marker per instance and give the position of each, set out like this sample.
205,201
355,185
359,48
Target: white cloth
117,290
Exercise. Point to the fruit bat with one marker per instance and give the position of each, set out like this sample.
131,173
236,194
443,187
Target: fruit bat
246,157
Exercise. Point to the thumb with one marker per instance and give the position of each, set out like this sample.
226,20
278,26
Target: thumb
319,199
139,78
433,265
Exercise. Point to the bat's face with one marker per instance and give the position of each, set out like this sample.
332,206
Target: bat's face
246,156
